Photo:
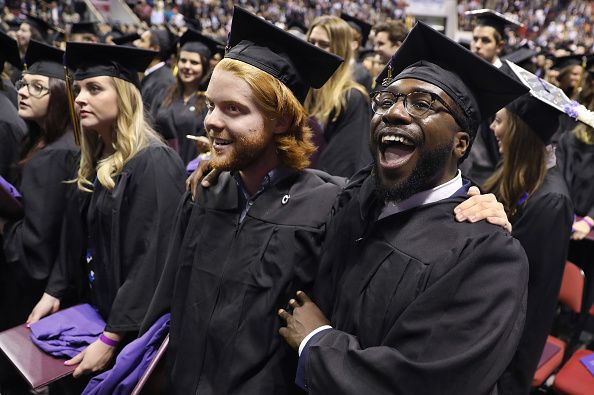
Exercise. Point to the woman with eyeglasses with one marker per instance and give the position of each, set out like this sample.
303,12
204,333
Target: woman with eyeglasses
537,202
131,183
341,106
48,161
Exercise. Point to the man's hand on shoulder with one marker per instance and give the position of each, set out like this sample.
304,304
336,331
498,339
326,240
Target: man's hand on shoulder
482,207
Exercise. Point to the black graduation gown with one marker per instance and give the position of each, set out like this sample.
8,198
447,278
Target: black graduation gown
484,156
227,280
10,91
12,131
362,76
178,120
420,303
543,227
576,162
31,244
347,138
154,88
129,230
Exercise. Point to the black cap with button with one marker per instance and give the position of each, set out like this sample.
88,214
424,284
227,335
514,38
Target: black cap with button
496,20
193,41
9,51
477,87
43,59
87,60
294,62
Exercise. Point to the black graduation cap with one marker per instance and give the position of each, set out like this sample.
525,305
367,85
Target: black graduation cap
562,62
9,51
479,88
521,56
44,59
293,61
194,41
38,24
88,60
361,26
59,35
296,24
167,42
539,109
126,39
496,20
85,27
193,23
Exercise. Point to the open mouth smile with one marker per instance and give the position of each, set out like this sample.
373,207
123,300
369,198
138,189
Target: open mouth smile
219,144
395,150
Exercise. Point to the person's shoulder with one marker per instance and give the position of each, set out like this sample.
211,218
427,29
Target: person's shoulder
356,96
318,178
156,153
441,223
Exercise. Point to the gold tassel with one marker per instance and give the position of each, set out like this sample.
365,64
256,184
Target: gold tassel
73,117
386,81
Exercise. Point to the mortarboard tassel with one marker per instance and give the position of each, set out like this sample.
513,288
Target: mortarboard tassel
73,117
388,78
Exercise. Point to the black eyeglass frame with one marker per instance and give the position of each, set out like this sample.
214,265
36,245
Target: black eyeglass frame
20,83
434,97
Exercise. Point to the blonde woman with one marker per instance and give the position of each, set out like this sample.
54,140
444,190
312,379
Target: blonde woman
341,106
132,183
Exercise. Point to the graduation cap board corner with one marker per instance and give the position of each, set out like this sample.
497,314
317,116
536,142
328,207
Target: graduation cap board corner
553,95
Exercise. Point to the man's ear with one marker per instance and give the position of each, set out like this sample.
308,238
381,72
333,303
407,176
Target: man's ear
461,143
281,124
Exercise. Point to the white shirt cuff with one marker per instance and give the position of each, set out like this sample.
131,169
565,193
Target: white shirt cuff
311,334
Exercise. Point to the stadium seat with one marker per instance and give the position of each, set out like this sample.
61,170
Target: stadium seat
574,378
551,365
572,287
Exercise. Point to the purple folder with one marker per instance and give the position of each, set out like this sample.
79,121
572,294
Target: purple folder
548,352
588,362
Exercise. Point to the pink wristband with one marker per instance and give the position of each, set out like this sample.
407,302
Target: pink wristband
588,221
106,340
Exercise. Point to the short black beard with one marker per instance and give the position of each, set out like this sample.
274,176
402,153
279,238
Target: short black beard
421,178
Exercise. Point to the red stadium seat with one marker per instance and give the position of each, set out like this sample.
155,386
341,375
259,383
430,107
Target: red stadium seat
574,378
551,365
572,287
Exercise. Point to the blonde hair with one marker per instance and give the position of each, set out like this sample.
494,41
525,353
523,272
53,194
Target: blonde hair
524,165
332,97
275,100
131,133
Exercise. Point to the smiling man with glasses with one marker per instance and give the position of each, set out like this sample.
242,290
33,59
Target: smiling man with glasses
410,301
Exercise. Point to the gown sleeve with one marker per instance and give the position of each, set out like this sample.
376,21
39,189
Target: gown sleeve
543,230
34,240
161,302
464,321
145,224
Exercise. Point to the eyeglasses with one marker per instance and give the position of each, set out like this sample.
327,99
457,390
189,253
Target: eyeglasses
416,104
35,89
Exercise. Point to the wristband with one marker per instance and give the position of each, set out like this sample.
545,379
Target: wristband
588,221
106,340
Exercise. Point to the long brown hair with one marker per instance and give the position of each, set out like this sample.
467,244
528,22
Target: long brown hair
523,169
176,91
54,125
332,98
